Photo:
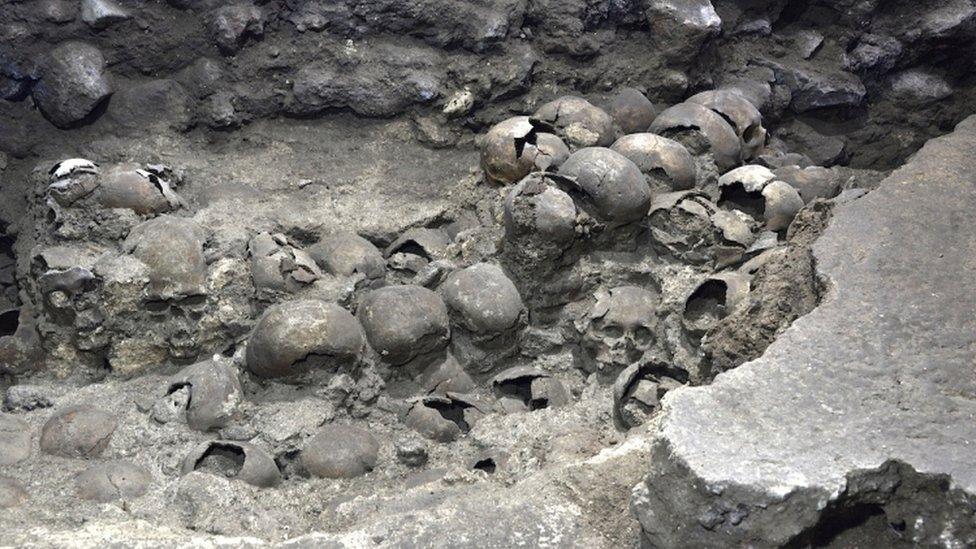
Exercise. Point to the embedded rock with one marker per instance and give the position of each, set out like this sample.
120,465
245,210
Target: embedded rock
73,83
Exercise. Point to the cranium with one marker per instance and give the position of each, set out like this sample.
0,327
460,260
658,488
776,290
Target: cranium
234,460
811,182
690,227
577,121
276,265
612,184
445,417
700,130
340,451
631,110
637,394
743,115
403,322
664,161
488,311
536,208
172,248
142,190
619,329
297,337
514,148
525,388
416,248
346,254
754,191
713,300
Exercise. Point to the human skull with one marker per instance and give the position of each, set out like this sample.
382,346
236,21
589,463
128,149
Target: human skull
302,336
631,110
612,184
812,182
113,480
488,311
712,300
666,163
619,330
276,265
404,322
755,191
514,148
637,394
346,254
577,121
445,417
689,227
172,249
213,393
701,131
537,208
525,388
142,190
233,460
417,248
71,180
744,116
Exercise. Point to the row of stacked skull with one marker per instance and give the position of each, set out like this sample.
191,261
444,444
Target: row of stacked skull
124,276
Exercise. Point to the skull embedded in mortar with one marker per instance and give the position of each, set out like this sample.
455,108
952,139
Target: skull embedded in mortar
619,330
701,130
577,121
743,115
487,311
513,148
172,250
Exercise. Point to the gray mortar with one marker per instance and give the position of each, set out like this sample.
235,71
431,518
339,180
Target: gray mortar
306,119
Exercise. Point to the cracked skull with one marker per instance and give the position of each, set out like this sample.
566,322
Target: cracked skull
514,148
619,329
296,337
577,121
743,115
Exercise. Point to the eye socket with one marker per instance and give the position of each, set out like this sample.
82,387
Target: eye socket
157,306
193,302
643,335
612,331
